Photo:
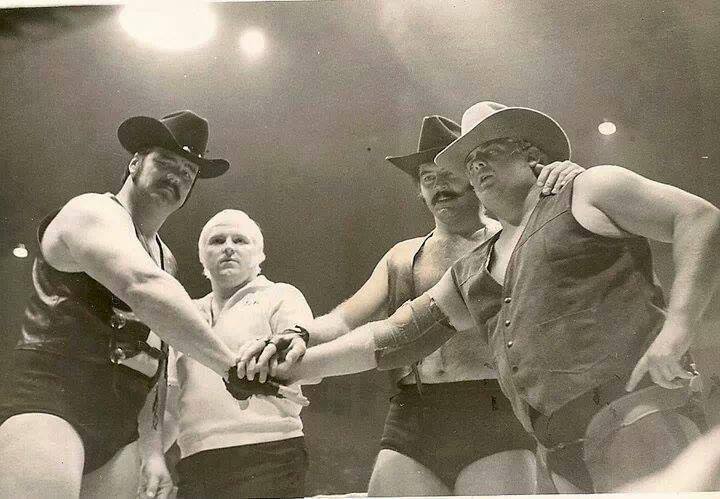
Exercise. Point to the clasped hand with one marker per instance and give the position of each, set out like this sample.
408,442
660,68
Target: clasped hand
266,359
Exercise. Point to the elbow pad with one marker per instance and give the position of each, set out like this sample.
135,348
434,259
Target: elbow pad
419,328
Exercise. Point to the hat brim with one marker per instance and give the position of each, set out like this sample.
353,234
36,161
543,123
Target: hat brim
514,122
409,163
140,132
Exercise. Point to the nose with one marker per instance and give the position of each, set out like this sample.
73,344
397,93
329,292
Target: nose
228,249
442,178
172,178
475,167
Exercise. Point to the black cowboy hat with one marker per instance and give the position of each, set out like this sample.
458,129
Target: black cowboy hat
182,132
436,133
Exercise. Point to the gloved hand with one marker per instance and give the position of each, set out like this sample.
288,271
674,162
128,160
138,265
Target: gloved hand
243,389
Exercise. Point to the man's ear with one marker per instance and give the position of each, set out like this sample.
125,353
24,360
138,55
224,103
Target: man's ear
135,162
534,156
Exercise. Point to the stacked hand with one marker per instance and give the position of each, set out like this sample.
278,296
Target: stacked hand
262,357
273,356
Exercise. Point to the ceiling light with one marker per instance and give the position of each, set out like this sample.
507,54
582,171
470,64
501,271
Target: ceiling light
20,251
169,25
607,128
252,42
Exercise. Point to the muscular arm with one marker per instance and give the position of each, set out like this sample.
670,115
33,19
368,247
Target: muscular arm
665,213
366,304
150,426
98,238
155,479
402,338
610,200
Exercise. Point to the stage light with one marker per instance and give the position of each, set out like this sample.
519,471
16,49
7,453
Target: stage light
252,42
20,251
169,25
607,128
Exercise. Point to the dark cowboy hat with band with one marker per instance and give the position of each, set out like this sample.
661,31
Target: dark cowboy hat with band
436,134
182,132
486,121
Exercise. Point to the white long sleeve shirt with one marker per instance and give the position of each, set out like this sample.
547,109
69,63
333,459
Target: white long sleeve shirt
207,416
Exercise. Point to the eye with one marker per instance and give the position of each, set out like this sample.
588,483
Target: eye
240,240
216,240
474,166
428,177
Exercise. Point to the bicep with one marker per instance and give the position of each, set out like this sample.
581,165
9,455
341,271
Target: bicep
370,301
631,202
102,243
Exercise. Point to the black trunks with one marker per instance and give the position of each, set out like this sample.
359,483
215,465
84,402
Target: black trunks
100,401
452,425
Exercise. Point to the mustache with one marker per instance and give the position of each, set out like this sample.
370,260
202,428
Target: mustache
450,194
171,185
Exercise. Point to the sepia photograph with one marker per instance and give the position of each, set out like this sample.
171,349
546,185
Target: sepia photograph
359,248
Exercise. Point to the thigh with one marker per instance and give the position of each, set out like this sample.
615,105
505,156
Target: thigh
640,449
41,455
118,478
395,474
509,472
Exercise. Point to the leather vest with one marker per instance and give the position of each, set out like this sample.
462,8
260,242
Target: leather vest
576,310
73,315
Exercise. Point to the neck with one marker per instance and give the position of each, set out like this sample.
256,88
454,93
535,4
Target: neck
222,292
516,215
459,224
145,212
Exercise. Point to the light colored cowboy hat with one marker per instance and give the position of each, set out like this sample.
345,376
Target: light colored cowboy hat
436,133
487,121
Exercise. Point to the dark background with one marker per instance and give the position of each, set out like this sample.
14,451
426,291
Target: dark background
306,127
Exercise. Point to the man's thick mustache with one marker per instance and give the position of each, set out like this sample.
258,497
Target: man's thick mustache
171,185
452,194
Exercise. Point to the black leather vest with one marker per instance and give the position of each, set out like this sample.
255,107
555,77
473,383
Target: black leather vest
73,315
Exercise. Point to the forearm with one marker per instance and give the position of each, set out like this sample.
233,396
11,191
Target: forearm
327,328
163,304
696,237
150,422
415,330
352,353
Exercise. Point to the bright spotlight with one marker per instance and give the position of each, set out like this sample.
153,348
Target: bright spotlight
20,251
607,128
252,42
169,25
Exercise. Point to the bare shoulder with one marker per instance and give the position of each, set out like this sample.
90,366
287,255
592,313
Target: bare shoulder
596,191
90,208
603,180
72,223
403,246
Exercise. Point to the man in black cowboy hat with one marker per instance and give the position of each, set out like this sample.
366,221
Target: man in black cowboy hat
567,289
86,361
449,429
